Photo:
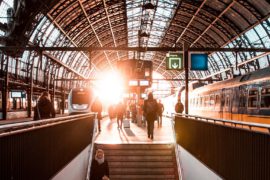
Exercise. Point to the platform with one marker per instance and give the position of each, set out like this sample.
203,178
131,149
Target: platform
110,134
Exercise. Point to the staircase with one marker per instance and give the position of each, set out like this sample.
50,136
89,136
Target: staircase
140,161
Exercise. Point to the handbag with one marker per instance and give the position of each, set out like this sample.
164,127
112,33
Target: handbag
36,113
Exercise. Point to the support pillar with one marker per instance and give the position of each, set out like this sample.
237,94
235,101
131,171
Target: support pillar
186,64
5,90
139,114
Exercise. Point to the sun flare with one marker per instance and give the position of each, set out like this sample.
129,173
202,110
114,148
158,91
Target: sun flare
109,87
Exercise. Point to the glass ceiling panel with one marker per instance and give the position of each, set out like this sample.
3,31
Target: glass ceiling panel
161,20
3,10
260,39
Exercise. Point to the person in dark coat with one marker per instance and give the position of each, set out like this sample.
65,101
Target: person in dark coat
97,107
150,109
99,167
160,111
44,108
120,111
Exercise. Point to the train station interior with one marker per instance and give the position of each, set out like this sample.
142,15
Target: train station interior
77,76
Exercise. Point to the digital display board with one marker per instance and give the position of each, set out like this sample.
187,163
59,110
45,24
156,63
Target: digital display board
199,62
16,94
133,83
144,83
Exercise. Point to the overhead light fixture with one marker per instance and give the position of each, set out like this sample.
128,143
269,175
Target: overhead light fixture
149,6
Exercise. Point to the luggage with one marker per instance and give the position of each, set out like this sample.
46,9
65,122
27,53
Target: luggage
126,123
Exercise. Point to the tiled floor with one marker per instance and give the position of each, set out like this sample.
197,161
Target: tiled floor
110,134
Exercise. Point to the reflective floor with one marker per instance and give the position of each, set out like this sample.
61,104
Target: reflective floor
111,134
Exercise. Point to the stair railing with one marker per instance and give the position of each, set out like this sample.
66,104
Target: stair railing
177,150
91,149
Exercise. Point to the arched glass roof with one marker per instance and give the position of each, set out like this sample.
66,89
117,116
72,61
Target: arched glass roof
114,23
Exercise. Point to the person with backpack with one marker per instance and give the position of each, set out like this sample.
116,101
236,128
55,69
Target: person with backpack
44,108
150,109
179,107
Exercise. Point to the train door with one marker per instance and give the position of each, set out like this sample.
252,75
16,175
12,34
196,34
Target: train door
222,103
235,100
253,101
242,105
265,101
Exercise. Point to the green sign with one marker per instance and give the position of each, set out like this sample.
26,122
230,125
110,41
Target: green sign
174,61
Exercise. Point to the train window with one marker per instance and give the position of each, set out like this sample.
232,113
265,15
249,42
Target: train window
201,101
212,100
253,92
265,99
80,97
242,101
252,98
197,101
227,101
217,99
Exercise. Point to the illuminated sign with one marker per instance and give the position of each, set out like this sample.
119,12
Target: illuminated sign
144,83
133,83
174,61
199,62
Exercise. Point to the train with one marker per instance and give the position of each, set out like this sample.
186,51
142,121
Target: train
80,100
243,98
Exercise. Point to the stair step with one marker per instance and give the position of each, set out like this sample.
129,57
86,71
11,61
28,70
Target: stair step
139,158
144,177
140,161
142,171
134,146
141,164
138,152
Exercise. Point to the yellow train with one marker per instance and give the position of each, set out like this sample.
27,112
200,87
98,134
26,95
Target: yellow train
244,98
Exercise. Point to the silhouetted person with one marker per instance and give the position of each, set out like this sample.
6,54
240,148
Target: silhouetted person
97,107
160,111
179,107
133,110
120,110
111,111
44,108
150,108
99,168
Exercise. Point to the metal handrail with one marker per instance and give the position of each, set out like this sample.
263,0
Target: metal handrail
232,122
91,150
176,149
15,128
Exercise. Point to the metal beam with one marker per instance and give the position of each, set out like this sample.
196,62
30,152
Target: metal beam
164,49
94,31
191,20
57,61
217,18
110,24
69,38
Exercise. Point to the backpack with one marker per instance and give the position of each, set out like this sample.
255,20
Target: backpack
151,107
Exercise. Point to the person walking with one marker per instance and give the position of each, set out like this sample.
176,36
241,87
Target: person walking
111,112
120,110
97,107
44,108
150,109
99,168
160,111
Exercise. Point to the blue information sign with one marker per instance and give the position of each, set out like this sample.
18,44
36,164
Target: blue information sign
199,62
